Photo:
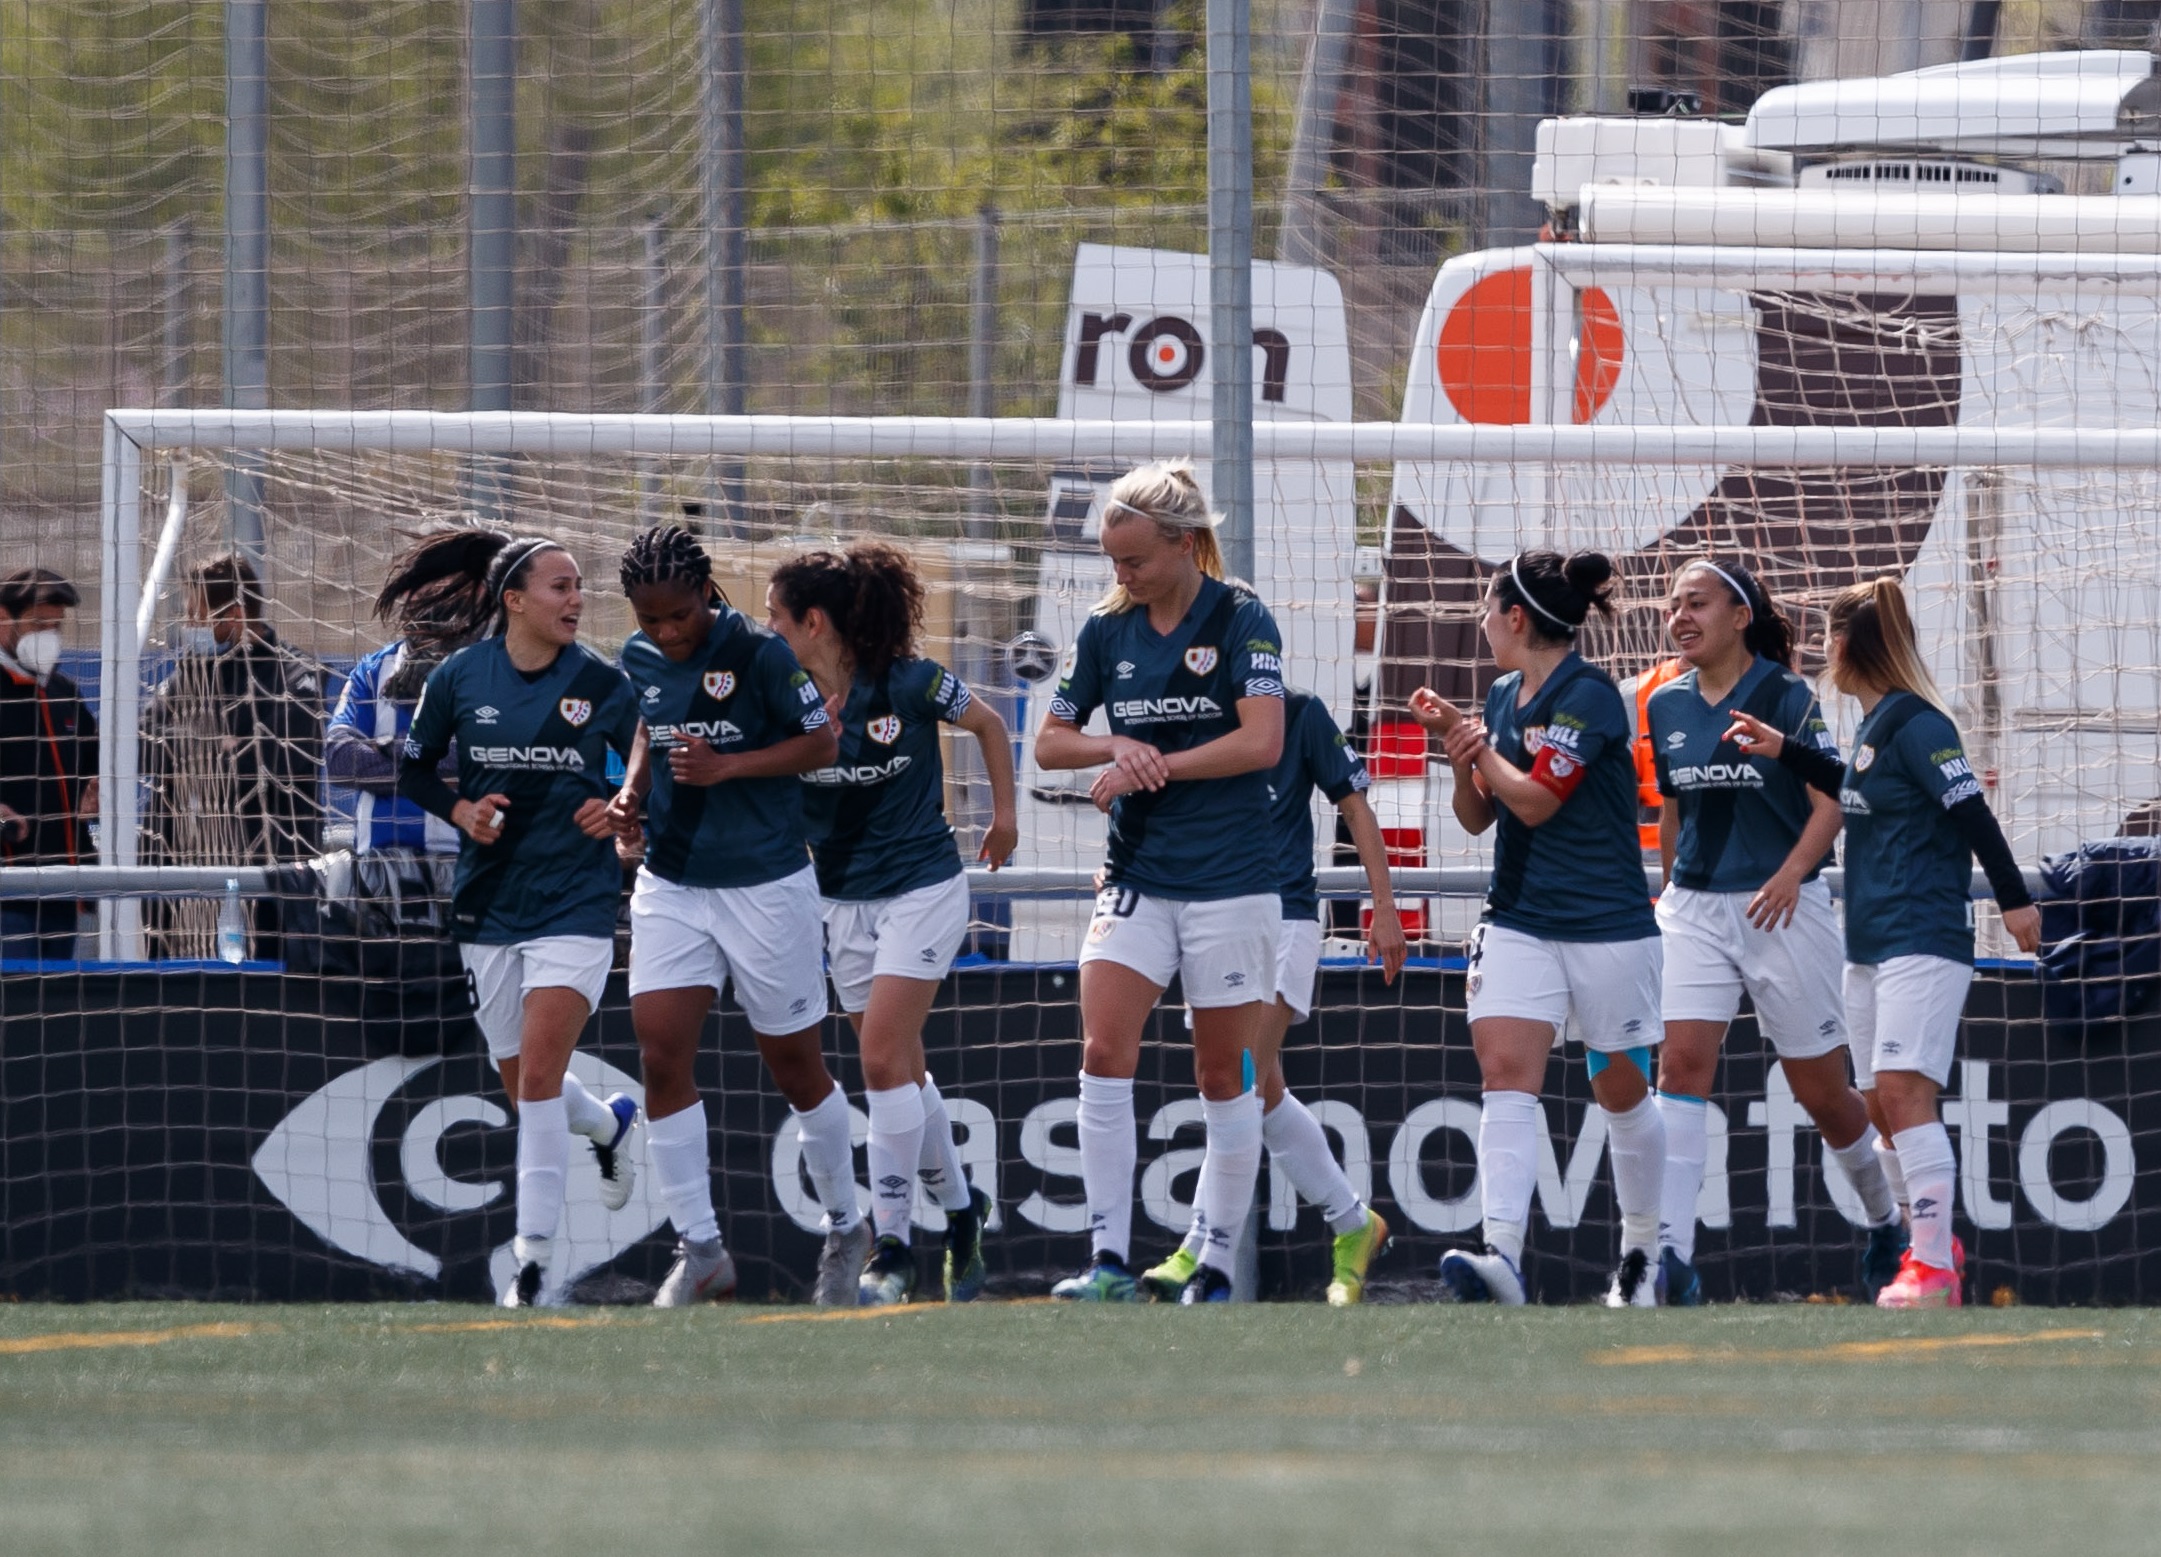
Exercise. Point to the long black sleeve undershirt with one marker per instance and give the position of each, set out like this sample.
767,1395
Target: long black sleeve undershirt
1976,823
421,783
1817,767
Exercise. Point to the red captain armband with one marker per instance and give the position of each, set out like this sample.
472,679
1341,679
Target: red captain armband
1557,771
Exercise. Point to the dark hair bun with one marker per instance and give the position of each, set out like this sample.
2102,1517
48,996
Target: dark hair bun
1590,574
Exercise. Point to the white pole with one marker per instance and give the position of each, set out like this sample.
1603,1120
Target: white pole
120,676
161,564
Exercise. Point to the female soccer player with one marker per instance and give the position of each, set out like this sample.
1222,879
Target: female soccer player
1915,818
533,713
1316,755
1568,930
1190,669
1743,840
726,893
896,900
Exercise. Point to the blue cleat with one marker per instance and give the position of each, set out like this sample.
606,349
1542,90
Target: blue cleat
1482,1275
1678,1284
1880,1257
1106,1280
1208,1285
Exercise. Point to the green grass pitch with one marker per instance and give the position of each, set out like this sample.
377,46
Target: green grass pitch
1027,1428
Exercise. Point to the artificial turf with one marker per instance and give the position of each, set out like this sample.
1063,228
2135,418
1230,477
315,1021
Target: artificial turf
1025,1428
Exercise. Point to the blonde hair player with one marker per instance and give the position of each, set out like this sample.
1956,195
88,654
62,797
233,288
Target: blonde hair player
1744,841
1189,668
1567,938
1915,819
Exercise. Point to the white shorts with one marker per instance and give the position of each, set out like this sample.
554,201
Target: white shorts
914,935
500,978
1713,953
1224,951
1298,964
1609,988
767,939
1905,1014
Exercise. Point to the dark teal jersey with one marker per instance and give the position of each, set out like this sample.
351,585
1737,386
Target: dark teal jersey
1194,840
1316,755
1909,871
542,741
1740,815
1579,876
877,816
741,691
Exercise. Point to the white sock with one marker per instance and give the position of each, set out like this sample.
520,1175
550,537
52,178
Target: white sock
1864,1170
1893,1174
1684,1120
1228,1172
830,1157
1196,1234
941,1170
677,1155
589,1116
543,1159
1298,1149
1508,1126
1931,1169
895,1149
1636,1140
1109,1151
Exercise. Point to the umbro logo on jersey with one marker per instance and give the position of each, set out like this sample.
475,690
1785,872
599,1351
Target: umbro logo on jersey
1676,740
485,715
719,683
652,695
1200,661
1125,670
885,731
575,710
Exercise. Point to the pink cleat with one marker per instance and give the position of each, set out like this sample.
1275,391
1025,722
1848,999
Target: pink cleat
1922,1286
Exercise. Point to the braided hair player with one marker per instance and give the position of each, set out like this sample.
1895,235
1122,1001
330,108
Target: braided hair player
533,713
896,899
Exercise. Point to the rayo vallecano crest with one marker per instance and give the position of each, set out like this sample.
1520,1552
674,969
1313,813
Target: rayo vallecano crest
719,683
885,731
1200,661
575,710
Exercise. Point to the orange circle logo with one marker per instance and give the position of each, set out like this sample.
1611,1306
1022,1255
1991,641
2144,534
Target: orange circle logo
1484,356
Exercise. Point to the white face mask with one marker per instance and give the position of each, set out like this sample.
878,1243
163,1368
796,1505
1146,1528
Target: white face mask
195,638
38,652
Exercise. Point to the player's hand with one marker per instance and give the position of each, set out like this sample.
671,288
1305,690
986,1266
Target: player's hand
1464,743
594,819
1434,712
833,706
693,761
630,847
480,820
1775,901
998,841
1149,768
14,824
1385,943
1755,737
1109,785
2024,926
623,813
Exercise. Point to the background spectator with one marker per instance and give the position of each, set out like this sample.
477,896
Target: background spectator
48,760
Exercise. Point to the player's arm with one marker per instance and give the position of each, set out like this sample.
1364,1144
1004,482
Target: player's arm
350,756
1773,905
1062,742
1819,770
1255,745
1533,798
981,720
1462,738
1669,839
791,693
419,779
1385,938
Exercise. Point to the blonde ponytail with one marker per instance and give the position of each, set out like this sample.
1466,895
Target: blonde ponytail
1877,642
1168,495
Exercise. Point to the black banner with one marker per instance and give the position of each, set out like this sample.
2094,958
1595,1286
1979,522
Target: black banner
234,1135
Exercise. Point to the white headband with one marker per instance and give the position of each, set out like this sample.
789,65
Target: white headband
1732,583
1531,600
1118,502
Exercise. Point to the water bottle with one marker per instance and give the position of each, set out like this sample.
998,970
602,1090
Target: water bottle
232,926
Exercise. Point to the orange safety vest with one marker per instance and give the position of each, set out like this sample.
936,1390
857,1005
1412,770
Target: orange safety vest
1648,799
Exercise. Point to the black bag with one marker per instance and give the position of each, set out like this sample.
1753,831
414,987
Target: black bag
2101,930
375,928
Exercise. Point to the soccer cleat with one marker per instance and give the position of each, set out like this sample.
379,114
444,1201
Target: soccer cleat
702,1273
964,1269
840,1267
1921,1286
1208,1285
1482,1275
1355,1251
532,1256
1166,1283
617,1173
1633,1286
1106,1280
889,1279
1678,1285
1880,1257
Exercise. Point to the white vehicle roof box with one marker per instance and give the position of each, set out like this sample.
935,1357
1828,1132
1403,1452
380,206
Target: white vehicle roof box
2090,103
1868,219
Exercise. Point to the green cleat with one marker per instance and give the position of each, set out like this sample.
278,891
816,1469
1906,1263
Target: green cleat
964,1269
1166,1283
1106,1280
1355,1251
